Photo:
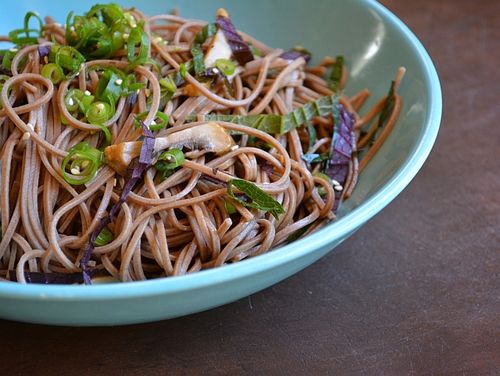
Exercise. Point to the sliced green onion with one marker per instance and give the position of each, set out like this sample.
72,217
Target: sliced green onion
81,163
131,85
72,99
169,161
107,134
104,237
168,84
159,122
226,66
85,103
130,19
53,72
67,58
167,89
27,18
183,70
109,88
100,32
140,39
23,37
173,158
8,55
99,112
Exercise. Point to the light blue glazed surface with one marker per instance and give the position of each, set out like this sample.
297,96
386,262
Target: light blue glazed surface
375,43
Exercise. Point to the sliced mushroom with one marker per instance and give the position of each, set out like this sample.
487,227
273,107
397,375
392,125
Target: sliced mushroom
219,49
208,136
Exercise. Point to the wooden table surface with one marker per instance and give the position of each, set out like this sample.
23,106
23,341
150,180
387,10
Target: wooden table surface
415,292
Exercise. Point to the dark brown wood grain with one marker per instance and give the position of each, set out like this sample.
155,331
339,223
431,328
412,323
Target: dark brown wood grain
415,292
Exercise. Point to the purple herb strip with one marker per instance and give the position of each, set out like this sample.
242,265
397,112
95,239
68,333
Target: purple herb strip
43,52
342,147
294,55
241,50
132,99
49,278
144,162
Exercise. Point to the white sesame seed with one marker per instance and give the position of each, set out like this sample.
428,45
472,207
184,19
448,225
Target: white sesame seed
100,106
335,182
125,36
119,81
26,136
75,171
158,39
13,49
114,182
137,91
71,102
87,92
30,126
215,70
234,147
72,28
77,74
338,188
153,122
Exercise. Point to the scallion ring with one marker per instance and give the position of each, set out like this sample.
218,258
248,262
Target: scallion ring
159,122
53,72
81,163
99,112
226,66
72,99
104,237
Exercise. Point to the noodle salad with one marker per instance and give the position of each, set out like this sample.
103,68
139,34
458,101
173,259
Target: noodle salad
137,147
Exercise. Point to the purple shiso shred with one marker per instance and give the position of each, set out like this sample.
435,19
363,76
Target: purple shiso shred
43,51
49,278
241,50
144,162
342,146
294,54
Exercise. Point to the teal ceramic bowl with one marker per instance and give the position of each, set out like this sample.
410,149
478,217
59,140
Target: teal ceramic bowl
375,43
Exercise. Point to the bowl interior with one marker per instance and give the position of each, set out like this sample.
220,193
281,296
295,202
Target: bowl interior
374,42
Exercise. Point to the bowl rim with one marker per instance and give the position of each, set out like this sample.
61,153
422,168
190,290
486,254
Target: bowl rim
287,253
